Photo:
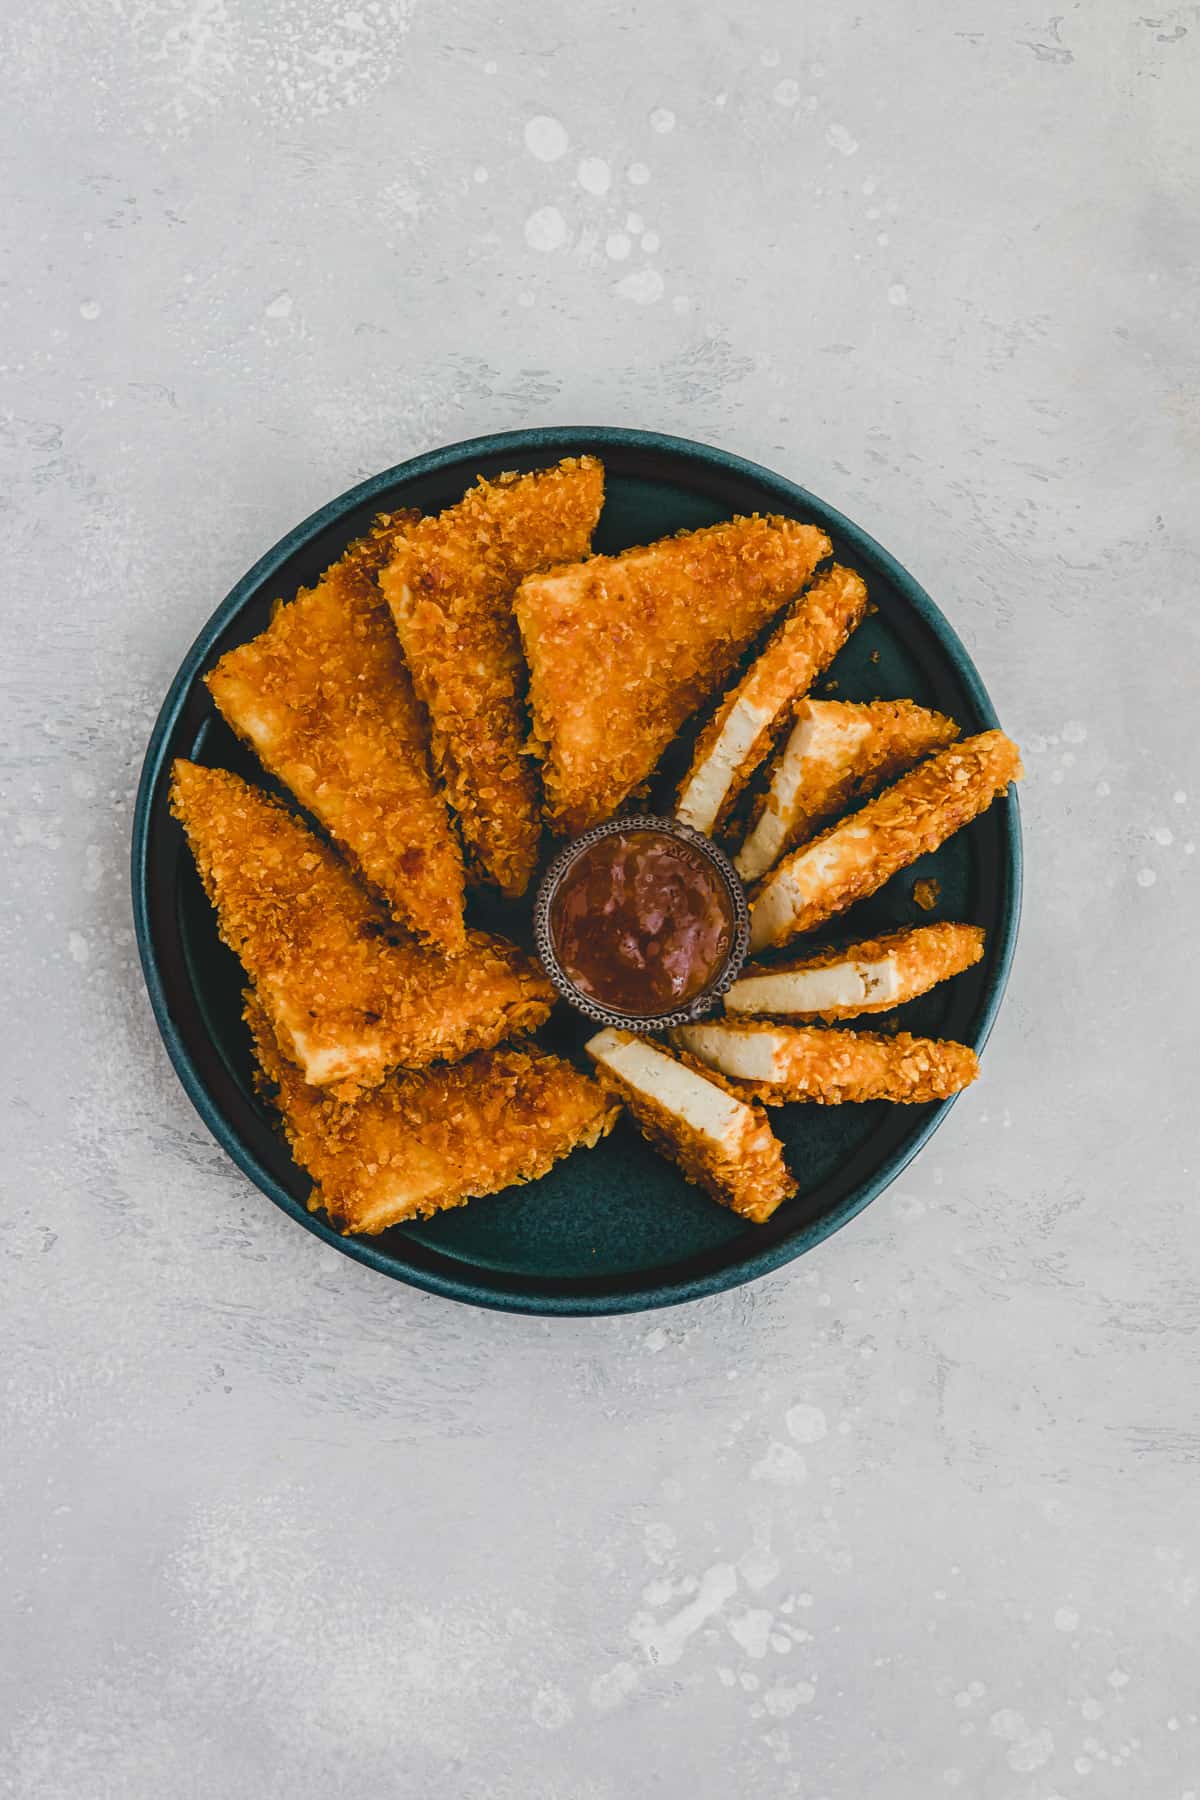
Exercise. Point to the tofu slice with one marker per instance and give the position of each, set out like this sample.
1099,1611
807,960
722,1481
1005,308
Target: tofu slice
720,1142
348,995
837,752
775,1063
858,855
741,732
324,698
450,587
421,1143
623,649
869,977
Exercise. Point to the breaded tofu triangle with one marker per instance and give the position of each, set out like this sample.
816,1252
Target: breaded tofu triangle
777,1063
868,977
423,1142
855,857
349,996
720,1142
623,649
751,716
450,586
324,697
838,751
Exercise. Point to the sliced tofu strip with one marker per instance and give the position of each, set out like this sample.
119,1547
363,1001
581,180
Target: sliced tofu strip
623,649
348,995
324,698
741,733
418,1144
858,855
838,751
721,1142
774,1063
450,586
868,977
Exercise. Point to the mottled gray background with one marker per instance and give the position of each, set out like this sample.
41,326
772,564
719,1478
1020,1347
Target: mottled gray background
920,1514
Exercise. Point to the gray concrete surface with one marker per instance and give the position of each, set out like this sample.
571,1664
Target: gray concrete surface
918,1516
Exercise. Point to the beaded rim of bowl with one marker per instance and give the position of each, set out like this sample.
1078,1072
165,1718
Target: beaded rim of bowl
701,1004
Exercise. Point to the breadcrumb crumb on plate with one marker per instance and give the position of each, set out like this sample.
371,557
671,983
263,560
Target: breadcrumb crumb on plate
421,1143
348,996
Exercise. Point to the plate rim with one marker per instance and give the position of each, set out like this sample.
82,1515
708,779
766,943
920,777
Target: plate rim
476,1291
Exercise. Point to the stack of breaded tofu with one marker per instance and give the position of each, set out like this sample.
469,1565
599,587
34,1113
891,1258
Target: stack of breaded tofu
454,684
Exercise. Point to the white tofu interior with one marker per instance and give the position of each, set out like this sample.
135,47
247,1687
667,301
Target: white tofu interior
812,872
744,1055
401,1196
331,1062
260,725
764,846
698,1104
770,914
839,984
823,735
705,793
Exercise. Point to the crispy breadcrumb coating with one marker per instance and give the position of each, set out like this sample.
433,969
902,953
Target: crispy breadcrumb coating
423,1142
720,1141
752,714
871,976
856,856
623,649
838,751
450,586
324,697
349,996
777,1063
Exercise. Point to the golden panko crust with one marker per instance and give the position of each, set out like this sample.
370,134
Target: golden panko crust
922,956
750,1177
865,745
817,626
450,587
623,649
828,1067
423,1142
348,995
324,698
859,854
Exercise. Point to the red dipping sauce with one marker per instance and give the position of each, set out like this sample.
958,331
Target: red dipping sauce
642,922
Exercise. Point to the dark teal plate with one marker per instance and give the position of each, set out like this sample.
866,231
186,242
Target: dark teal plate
613,1229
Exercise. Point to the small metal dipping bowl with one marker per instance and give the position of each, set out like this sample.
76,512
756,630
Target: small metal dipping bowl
701,1004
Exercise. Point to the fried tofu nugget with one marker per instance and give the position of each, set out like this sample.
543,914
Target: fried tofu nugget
775,1063
623,649
450,586
838,751
745,725
856,856
868,977
719,1141
423,1142
349,996
324,697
